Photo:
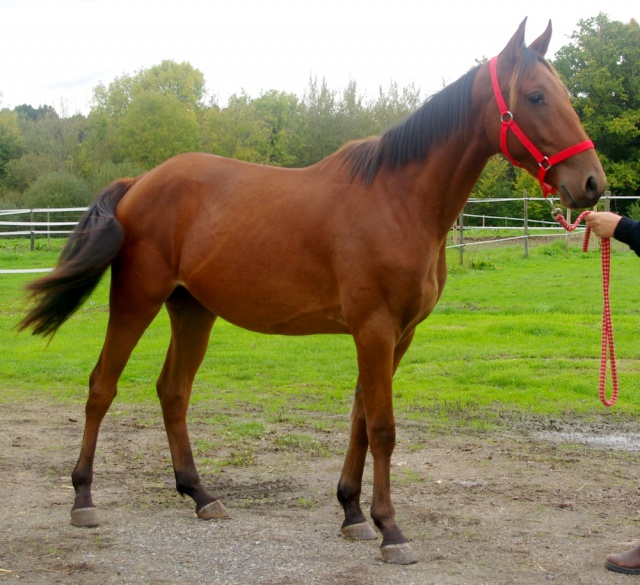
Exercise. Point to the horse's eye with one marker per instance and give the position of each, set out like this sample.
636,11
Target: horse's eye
535,98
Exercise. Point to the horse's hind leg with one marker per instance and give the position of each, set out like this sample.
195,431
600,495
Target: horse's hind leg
191,325
127,322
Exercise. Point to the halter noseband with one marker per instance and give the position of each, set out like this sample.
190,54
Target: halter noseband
508,123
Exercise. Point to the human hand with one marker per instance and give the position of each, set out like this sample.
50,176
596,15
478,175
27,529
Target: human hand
603,223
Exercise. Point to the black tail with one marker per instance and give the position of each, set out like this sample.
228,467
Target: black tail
89,251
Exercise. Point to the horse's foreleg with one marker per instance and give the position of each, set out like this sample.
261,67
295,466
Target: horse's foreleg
191,325
355,525
377,361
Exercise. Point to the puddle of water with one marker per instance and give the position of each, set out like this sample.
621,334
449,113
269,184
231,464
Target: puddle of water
620,442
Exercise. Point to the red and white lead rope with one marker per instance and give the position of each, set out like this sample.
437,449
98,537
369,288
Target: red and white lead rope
607,327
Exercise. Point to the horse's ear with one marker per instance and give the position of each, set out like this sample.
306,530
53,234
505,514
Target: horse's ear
541,44
515,45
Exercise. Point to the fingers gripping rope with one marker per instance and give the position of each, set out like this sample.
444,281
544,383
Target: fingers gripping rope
607,326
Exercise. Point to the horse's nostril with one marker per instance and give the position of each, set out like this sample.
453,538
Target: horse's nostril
591,188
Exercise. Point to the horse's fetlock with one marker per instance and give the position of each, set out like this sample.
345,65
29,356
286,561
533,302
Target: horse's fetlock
187,484
348,492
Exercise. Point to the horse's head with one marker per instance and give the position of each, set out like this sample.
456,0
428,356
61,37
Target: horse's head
529,117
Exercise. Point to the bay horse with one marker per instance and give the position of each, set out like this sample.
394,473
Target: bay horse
354,244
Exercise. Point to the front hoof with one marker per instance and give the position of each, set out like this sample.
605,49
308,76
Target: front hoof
362,531
213,511
85,517
398,554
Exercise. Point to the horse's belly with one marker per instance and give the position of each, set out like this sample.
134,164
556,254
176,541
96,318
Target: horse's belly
271,303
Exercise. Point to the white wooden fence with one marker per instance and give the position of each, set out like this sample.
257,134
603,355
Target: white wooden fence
36,223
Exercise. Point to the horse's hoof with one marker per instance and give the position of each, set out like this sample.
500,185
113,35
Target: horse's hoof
398,554
85,517
213,511
362,531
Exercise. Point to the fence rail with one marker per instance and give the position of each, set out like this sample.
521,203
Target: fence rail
42,228
551,230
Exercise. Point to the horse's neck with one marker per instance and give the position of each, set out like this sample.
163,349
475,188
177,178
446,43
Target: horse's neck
443,183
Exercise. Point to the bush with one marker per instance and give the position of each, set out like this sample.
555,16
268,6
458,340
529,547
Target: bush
634,211
58,190
110,171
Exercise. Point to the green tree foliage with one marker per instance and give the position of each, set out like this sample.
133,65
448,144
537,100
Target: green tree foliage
235,131
601,68
394,105
495,182
280,115
11,144
110,171
58,189
179,80
53,136
539,210
322,128
155,127
21,172
170,94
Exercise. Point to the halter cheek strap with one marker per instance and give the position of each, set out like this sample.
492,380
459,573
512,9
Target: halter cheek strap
508,123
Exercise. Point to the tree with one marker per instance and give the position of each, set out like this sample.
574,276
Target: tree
179,80
279,113
236,131
53,137
394,105
601,68
171,89
155,128
11,146
322,132
34,114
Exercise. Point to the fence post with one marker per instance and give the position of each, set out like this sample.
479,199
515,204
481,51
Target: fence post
48,228
607,201
525,197
461,236
567,234
33,233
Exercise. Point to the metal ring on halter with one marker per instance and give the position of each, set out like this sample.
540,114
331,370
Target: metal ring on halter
506,117
545,164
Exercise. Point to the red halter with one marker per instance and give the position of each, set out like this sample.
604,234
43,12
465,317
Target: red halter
508,123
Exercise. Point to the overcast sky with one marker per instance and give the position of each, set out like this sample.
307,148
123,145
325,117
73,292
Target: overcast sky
55,52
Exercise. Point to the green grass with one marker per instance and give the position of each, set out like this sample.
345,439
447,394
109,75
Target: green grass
510,334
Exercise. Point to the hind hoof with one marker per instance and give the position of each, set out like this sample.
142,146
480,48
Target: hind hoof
85,517
362,531
398,554
213,511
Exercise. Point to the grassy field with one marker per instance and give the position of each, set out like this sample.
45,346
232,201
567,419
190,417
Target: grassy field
510,334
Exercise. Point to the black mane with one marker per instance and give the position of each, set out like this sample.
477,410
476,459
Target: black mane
442,115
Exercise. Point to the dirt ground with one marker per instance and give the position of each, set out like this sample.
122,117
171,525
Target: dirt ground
534,504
